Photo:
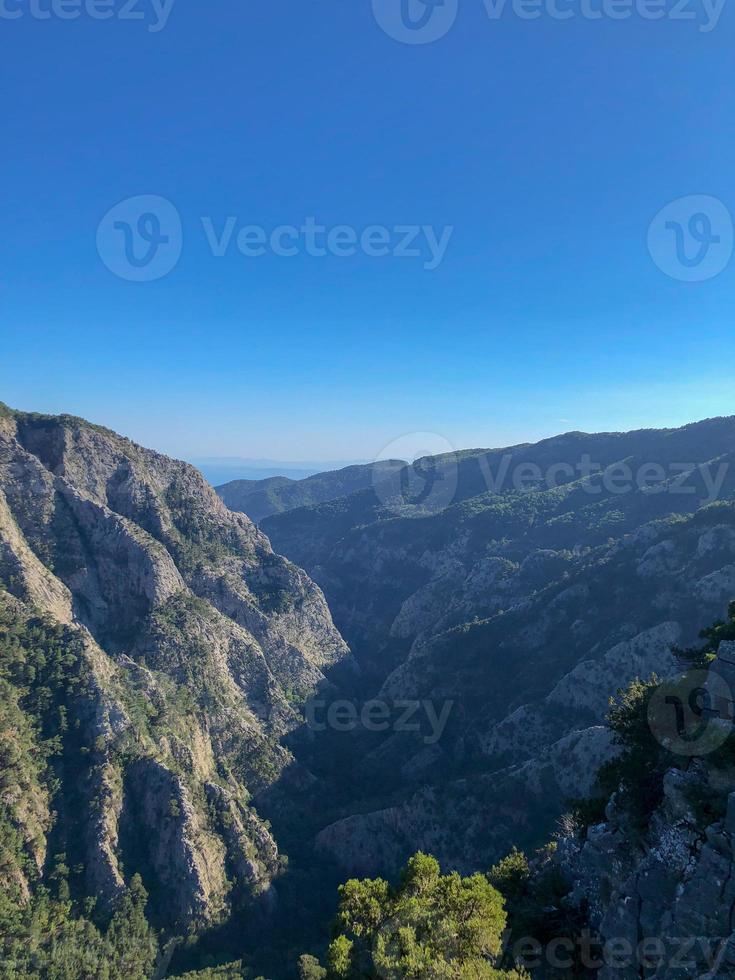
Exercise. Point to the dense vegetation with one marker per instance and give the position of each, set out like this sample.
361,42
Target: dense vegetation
50,937
429,927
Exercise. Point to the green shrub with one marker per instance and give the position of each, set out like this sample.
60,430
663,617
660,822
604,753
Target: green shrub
429,925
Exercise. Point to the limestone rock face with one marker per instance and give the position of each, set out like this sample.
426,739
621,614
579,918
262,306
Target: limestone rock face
195,639
468,823
673,886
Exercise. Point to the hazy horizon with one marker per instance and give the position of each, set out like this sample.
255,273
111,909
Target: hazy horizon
257,448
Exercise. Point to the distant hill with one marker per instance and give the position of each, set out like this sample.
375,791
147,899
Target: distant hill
276,495
219,470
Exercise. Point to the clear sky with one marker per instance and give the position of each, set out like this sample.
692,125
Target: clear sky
546,146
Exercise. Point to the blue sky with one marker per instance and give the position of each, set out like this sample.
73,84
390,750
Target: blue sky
546,145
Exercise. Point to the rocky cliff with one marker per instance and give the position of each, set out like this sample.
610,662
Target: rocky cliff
662,902
654,882
180,643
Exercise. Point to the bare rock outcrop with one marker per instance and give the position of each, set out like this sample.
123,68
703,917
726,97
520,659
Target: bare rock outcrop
190,640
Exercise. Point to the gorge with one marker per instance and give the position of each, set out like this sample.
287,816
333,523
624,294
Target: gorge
239,732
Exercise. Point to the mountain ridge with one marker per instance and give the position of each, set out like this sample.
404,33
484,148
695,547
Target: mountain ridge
273,495
494,603
193,635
